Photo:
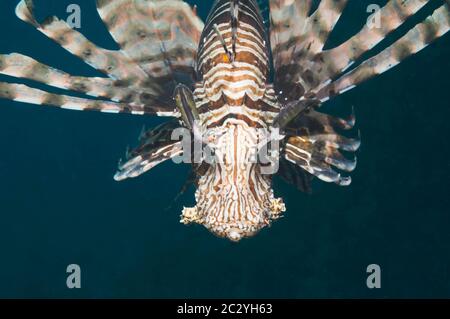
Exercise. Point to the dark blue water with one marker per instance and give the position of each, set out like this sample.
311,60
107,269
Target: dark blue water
59,204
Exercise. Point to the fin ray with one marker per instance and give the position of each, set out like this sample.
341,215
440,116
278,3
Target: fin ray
111,63
160,36
21,66
392,15
156,146
26,94
414,41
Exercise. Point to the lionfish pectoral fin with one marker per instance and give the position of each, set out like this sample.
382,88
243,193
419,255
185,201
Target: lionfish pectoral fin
323,21
128,88
26,94
296,38
116,95
392,15
295,175
160,36
314,145
303,69
303,66
112,63
156,146
21,66
293,110
415,40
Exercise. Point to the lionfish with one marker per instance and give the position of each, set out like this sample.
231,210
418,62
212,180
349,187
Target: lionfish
225,81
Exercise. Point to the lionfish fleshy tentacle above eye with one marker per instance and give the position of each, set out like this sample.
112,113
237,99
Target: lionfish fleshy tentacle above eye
156,146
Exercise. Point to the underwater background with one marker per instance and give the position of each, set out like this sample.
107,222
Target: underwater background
59,204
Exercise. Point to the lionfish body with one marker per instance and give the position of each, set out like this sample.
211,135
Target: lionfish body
215,80
234,198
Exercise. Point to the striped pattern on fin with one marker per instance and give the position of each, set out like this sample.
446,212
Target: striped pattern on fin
156,146
323,21
303,67
21,66
295,175
392,15
296,38
112,63
313,144
26,94
131,82
415,40
288,19
161,37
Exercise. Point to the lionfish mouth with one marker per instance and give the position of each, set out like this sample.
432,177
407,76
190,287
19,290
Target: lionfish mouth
236,231
220,222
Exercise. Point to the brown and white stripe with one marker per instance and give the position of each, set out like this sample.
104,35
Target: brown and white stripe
166,52
238,88
234,100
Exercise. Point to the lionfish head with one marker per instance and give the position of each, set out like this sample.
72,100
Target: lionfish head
234,197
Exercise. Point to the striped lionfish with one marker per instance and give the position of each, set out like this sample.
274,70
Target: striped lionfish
229,82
